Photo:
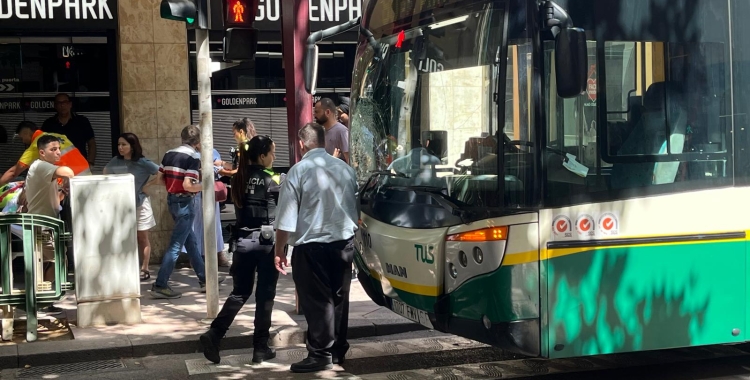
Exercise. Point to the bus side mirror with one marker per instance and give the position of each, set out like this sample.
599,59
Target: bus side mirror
311,68
571,62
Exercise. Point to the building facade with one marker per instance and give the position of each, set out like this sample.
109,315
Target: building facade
129,70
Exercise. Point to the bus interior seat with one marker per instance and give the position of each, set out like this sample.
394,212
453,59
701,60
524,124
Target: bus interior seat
619,131
648,137
475,148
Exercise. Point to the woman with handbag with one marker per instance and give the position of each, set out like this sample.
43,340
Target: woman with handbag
220,192
255,190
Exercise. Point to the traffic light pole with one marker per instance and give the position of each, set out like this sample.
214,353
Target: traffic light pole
207,173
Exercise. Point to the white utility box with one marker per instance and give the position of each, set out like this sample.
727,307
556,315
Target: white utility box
105,249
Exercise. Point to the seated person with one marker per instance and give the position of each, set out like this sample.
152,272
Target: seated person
29,133
43,195
416,161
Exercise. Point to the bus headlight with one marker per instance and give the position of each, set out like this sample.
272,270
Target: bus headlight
452,270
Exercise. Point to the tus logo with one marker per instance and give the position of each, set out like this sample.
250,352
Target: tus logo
425,253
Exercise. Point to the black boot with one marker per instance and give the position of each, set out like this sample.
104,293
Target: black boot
312,365
210,343
262,352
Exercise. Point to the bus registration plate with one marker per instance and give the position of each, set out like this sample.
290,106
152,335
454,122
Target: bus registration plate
411,313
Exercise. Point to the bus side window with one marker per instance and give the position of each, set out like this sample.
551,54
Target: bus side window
663,130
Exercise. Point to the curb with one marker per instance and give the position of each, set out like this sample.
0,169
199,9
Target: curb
117,347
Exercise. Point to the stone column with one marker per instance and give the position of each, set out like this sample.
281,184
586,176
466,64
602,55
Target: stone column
154,92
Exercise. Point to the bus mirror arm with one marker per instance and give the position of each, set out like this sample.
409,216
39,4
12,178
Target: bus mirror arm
311,54
571,52
555,18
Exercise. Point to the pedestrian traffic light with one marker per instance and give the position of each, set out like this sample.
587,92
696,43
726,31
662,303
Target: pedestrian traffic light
240,13
240,44
240,40
180,10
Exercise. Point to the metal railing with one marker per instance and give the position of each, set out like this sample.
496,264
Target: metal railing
35,290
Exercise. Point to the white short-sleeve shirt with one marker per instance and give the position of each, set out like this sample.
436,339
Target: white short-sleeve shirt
41,189
318,200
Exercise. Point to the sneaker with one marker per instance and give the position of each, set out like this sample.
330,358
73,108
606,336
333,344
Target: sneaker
202,285
51,310
167,293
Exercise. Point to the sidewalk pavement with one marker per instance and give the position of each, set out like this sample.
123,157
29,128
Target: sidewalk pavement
173,326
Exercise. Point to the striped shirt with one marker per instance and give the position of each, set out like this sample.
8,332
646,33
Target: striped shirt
177,164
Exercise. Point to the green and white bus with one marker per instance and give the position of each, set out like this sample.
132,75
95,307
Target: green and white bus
556,179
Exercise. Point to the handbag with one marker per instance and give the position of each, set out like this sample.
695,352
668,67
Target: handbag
220,191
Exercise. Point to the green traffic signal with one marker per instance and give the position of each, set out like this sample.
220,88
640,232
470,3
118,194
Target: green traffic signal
179,10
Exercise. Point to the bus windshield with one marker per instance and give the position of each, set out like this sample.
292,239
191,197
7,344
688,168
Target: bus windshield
425,111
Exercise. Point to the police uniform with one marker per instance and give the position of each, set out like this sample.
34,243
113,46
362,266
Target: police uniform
253,237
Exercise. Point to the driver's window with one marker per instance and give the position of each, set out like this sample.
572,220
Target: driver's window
654,125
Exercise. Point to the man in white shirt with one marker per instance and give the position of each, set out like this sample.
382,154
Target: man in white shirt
43,195
317,214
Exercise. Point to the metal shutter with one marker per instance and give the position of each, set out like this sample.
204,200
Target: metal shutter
268,121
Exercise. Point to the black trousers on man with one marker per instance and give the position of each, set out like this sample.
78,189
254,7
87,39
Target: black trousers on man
322,273
67,217
249,257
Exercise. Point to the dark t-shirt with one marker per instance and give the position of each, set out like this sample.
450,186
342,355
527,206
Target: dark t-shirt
78,130
261,193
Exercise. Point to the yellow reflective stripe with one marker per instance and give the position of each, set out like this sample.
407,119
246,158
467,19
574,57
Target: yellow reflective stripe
554,253
422,290
520,258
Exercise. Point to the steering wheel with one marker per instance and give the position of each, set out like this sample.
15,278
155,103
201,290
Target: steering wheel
520,143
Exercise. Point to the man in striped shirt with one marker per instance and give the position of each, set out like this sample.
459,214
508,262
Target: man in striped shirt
180,173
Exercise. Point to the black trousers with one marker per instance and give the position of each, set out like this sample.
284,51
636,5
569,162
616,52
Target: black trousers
322,273
249,257
67,217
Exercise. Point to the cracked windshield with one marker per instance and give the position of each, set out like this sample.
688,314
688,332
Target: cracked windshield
425,117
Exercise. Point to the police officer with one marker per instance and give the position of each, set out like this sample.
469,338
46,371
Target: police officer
255,189
242,130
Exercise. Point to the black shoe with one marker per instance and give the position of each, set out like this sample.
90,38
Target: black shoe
312,365
210,344
263,353
51,310
338,360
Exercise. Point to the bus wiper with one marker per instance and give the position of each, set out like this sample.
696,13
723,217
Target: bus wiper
389,174
443,200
